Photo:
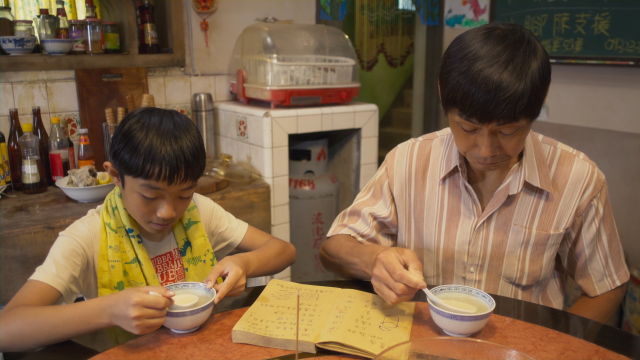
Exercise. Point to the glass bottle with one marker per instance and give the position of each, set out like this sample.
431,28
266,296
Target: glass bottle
93,39
85,153
41,133
111,35
15,154
33,181
5,170
90,10
76,32
71,146
148,35
63,27
58,150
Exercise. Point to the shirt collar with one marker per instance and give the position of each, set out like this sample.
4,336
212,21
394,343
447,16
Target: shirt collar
533,168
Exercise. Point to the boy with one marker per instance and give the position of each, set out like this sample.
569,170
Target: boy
486,202
151,231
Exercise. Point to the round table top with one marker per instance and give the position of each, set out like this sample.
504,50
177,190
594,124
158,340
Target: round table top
538,331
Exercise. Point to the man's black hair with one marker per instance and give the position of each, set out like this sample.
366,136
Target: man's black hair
160,145
497,72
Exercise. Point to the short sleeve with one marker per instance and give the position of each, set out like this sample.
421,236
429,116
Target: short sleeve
225,231
69,264
595,258
372,218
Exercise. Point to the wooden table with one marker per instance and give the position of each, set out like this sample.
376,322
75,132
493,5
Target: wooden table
538,331
29,224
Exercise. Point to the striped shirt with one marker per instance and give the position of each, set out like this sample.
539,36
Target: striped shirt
550,218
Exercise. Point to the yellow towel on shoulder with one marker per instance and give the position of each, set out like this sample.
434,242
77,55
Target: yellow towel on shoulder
123,260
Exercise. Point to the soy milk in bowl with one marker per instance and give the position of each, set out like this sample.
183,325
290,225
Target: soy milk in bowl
456,324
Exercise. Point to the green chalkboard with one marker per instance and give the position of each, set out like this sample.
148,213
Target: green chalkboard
606,30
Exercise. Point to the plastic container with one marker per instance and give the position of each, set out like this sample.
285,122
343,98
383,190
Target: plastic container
33,178
316,62
58,150
93,41
23,28
85,152
111,33
76,33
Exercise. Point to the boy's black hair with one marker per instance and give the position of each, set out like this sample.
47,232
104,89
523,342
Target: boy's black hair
497,72
160,145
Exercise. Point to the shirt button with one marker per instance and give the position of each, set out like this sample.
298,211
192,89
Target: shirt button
472,270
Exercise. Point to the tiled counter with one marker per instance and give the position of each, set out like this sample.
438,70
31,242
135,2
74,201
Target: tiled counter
258,138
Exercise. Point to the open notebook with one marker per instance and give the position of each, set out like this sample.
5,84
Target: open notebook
348,321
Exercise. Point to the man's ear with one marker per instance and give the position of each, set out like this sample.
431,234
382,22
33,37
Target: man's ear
113,173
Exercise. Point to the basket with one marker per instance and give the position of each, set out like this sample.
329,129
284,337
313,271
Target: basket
298,70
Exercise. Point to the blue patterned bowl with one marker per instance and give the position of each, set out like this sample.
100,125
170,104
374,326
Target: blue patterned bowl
186,321
57,46
18,45
458,324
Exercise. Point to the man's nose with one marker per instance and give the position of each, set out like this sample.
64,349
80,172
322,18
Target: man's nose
487,145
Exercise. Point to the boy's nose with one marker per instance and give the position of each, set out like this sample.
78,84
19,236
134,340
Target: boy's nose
166,211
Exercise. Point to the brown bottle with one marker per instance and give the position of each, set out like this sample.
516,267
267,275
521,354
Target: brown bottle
41,132
148,36
15,154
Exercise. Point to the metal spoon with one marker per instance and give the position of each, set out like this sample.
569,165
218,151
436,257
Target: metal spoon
450,305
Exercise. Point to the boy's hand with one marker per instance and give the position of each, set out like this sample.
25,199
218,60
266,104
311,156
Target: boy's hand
397,275
233,268
138,312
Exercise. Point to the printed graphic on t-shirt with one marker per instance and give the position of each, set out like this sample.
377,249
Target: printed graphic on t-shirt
169,267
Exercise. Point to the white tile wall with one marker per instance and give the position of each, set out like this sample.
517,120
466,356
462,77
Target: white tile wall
222,88
6,99
281,161
27,95
5,126
369,151
203,84
61,96
156,88
177,90
55,92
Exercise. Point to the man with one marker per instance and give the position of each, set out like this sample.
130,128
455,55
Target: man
486,202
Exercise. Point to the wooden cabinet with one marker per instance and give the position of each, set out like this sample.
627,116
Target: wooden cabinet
169,21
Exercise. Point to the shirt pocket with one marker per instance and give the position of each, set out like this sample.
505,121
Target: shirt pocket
530,256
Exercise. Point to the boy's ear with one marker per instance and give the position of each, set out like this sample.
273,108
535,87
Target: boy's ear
113,173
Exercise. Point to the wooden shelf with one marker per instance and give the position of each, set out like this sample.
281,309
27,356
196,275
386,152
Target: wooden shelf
129,39
72,62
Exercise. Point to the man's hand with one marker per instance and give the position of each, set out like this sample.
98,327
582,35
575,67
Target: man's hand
396,274
234,269
138,312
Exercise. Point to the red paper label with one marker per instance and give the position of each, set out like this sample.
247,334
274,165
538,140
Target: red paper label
57,171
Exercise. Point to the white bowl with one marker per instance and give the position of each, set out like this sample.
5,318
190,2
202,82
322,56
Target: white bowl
57,46
86,194
458,324
186,321
18,45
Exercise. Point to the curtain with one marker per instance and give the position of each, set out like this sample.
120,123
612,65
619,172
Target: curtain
381,26
27,9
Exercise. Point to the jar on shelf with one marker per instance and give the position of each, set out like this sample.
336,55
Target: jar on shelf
111,37
76,33
93,41
6,24
23,28
6,21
